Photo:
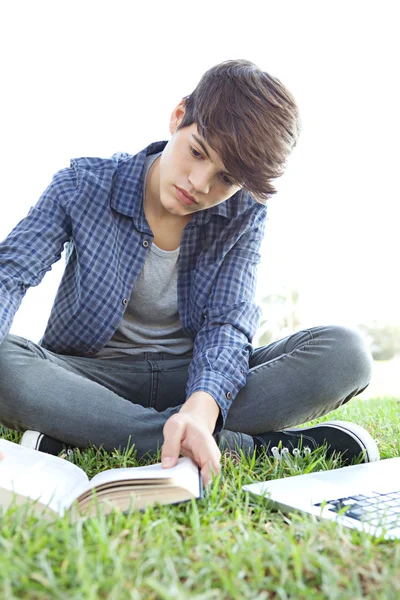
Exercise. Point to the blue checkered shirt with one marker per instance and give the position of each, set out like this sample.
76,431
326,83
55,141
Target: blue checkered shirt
94,209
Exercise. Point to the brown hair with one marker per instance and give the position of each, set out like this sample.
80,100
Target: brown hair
249,118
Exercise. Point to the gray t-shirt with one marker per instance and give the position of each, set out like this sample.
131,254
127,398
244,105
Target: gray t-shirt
151,320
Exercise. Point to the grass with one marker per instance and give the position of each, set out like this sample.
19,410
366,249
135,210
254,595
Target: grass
229,545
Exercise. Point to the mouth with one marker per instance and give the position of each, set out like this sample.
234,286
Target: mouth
185,197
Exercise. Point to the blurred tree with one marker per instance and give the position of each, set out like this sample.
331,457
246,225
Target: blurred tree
280,316
384,340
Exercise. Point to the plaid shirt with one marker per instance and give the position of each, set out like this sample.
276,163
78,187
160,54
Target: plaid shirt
95,209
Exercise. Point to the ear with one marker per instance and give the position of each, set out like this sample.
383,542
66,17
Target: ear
176,117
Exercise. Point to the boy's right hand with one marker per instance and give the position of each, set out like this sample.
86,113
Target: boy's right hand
189,434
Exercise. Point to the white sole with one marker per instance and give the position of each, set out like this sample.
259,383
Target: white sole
31,439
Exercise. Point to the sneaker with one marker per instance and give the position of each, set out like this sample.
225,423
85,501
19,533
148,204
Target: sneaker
44,443
342,437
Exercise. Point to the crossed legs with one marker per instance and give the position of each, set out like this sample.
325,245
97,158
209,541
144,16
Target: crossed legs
114,402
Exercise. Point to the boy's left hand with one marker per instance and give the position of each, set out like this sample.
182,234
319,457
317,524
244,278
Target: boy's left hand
189,432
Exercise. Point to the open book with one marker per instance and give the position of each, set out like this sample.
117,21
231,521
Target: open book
57,484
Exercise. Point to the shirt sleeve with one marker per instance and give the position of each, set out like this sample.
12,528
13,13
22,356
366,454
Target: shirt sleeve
223,345
34,244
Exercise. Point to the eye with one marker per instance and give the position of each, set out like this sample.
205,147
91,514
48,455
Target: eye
226,180
195,153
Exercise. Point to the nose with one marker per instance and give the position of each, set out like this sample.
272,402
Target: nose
200,179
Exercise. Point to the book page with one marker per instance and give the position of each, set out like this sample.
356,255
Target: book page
185,474
36,475
126,499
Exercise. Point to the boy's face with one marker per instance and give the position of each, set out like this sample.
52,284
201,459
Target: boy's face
188,166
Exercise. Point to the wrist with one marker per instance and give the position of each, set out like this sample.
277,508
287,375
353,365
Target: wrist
204,406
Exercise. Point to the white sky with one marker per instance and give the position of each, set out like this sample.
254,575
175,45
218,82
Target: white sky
90,78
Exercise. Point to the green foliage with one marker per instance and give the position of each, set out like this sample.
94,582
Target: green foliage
227,546
280,316
384,340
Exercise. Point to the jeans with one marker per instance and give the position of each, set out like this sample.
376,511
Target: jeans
117,402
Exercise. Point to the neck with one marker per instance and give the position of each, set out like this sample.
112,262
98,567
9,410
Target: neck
152,191
153,208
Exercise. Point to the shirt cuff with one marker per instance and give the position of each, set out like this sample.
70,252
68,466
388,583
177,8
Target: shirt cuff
220,388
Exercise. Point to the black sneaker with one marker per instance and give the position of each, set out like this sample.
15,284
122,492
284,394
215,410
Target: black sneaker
44,443
342,437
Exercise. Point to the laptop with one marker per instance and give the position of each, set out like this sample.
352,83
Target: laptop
364,496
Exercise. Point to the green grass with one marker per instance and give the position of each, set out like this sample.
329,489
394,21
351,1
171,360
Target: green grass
229,545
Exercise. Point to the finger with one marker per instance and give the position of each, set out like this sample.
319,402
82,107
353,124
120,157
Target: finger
207,467
208,458
209,471
173,433
211,455
211,467
187,453
205,475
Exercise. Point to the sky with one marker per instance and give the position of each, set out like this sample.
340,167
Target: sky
91,78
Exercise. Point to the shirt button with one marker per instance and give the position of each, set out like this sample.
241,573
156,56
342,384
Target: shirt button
228,395
125,301
145,243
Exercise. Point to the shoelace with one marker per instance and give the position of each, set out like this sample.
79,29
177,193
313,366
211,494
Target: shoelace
285,452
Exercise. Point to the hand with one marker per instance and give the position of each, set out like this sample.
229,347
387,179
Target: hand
189,433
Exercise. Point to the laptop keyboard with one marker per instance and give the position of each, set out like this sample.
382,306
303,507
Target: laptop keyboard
376,509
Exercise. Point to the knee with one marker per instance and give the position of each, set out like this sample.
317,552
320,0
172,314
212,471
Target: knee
351,355
11,342
12,382
11,350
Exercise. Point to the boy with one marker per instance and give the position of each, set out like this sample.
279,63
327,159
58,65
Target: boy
149,339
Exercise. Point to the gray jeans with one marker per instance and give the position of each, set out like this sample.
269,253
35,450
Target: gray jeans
114,402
